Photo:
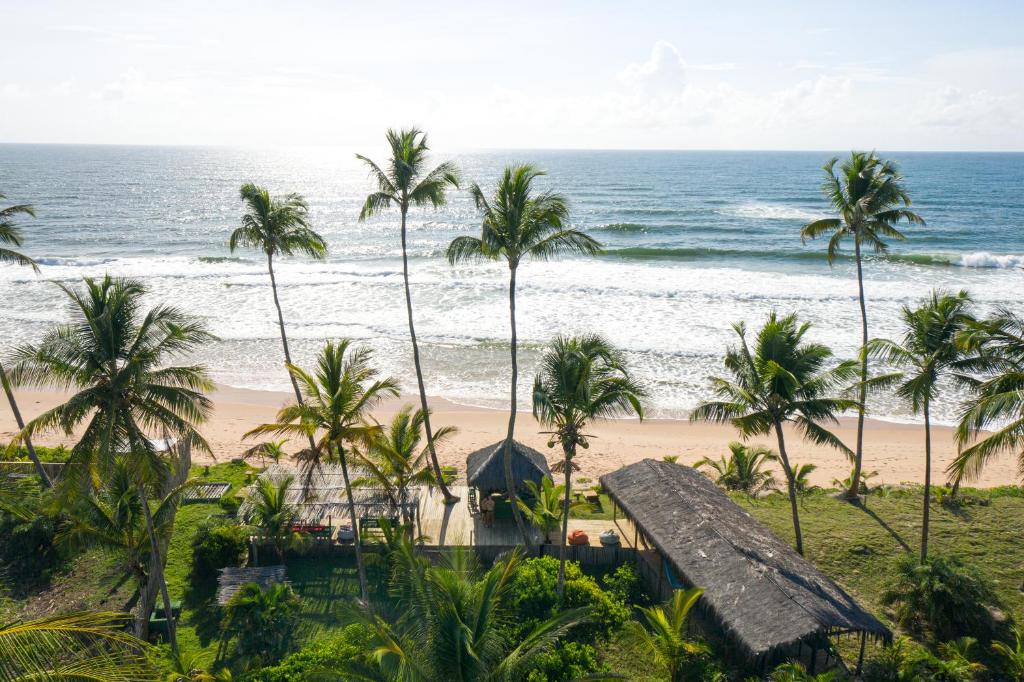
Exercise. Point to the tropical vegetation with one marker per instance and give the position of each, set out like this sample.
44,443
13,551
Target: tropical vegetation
743,471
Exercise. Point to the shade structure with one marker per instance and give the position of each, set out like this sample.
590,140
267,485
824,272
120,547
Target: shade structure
485,468
762,594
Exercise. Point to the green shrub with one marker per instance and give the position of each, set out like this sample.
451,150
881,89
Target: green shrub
216,546
27,550
568,661
908,661
624,582
943,597
230,503
325,653
534,598
262,622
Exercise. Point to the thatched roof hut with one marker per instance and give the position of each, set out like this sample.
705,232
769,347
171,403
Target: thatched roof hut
764,596
485,468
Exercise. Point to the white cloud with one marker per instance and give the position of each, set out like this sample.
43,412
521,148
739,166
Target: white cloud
664,71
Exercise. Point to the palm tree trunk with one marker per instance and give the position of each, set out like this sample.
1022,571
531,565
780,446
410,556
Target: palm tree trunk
510,484
565,522
927,482
791,487
858,460
284,337
21,427
156,571
357,541
448,497
144,606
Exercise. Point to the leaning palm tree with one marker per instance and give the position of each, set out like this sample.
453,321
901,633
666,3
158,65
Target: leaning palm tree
76,646
743,471
664,634
782,379
996,348
519,223
868,195
581,379
10,234
278,226
395,459
115,356
270,512
928,350
404,184
336,402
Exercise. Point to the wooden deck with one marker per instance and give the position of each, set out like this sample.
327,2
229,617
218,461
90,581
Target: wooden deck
453,525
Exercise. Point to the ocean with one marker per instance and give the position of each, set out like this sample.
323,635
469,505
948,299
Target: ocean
695,241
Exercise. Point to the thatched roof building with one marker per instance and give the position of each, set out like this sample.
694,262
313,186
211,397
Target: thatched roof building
485,468
764,596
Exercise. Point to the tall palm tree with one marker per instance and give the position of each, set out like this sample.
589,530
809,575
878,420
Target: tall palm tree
75,646
742,471
277,226
519,223
452,623
928,350
868,195
115,356
395,459
404,184
10,234
336,403
664,634
783,379
581,379
268,510
996,347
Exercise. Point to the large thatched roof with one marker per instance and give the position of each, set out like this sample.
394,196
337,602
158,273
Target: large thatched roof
485,468
760,591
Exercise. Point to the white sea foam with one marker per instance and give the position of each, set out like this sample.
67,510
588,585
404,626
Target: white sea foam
984,259
766,211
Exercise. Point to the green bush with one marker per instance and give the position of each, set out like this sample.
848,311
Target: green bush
262,622
624,582
568,661
325,653
216,546
534,598
27,550
943,597
908,661
229,503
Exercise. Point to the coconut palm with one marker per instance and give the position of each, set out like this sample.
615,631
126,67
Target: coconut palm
115,355
870,199
75,646
545,514
664,635
519,223
263,622
404,184
782,379
10,234
278,226
453,622
581,379
802,479
1012,655
268,510
996,345
337,399
927,352
395,459
742,471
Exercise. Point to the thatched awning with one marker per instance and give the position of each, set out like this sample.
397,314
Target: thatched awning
485,468
231,579
760,591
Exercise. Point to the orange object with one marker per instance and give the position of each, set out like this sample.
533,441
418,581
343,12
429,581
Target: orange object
578,537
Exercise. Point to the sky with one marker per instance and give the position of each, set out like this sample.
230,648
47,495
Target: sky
895,75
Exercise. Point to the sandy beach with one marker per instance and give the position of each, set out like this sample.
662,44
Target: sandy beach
896,451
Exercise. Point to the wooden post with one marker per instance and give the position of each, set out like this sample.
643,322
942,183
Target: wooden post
860,659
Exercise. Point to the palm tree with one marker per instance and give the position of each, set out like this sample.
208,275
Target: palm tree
336,403
452,622
407,183
545,514
1012,655
996,347
518,223
263,621
743,472
581,379
277,226
783,379
664,636
75,646
10,234
269,511
115,355
928,350
395,459
868,195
